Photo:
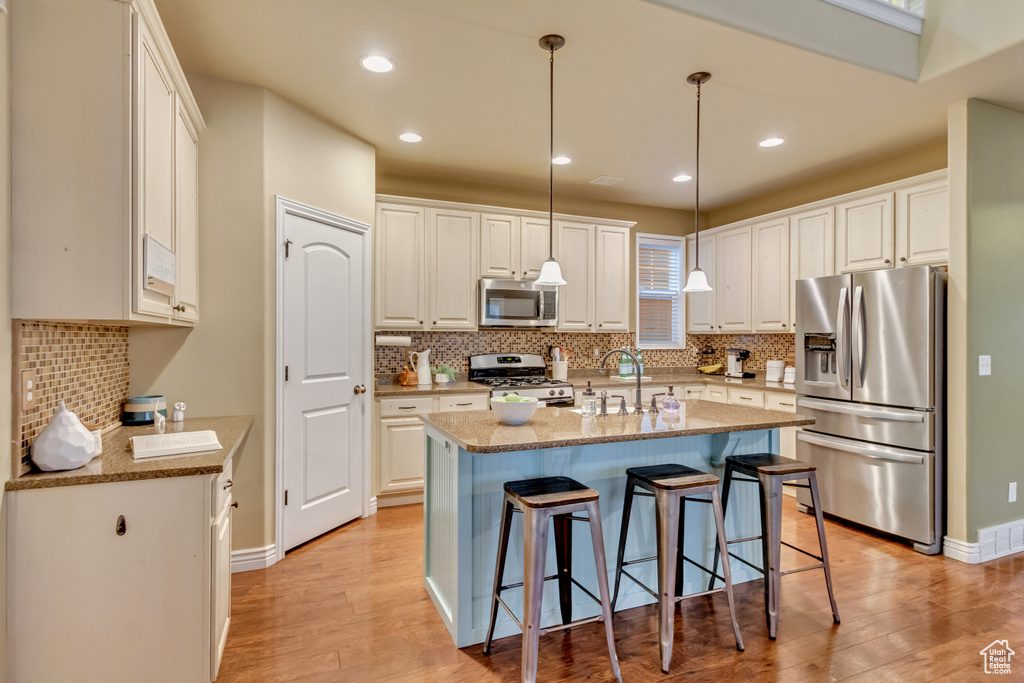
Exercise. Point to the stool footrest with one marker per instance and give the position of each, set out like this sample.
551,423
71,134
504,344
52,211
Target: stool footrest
743,540
519,584
578,622
735,478
820,565
749,564
801,550
640,561
796,486
641,584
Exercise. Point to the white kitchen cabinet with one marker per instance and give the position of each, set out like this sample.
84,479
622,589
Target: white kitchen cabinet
691,391
399,441
864,233
117,151
611,286
512,247
733,252
186,197
399,241
534,246
812,249
716,393
770,292
574,250
452,269
702,308
922,224
746,397
149,604
499,246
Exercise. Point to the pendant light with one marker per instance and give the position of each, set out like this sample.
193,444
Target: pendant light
550,271
698,280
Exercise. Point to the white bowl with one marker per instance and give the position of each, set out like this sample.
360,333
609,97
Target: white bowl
514,413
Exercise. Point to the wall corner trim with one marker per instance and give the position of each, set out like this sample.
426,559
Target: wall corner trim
961,550
248,559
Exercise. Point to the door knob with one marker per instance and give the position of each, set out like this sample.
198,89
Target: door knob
360,389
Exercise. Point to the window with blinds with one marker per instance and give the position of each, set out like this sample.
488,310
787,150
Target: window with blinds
659,306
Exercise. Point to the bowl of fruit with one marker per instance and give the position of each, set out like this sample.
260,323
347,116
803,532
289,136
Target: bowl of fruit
513,409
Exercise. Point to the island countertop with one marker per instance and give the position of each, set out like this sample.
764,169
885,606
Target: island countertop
116,463
480,431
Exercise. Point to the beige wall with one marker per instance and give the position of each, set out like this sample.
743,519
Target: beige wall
648,218
986,315
5,318
878,171
256,145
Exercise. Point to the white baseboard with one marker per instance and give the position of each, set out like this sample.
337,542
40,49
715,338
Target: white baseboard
961,550
993,542
399,499
373,505
253,558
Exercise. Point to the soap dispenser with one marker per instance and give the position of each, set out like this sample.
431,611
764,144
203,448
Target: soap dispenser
670,404
589,402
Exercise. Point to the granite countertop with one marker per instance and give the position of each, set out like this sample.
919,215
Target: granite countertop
385,390
679,380
479,431
116,463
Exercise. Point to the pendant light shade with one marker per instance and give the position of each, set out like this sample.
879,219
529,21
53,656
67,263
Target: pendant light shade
551,272
697,280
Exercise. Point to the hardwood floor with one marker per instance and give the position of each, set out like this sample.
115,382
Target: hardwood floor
350,606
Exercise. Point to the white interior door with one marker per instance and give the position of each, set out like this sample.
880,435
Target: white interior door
325,296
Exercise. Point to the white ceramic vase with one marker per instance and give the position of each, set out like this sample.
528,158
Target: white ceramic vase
64,444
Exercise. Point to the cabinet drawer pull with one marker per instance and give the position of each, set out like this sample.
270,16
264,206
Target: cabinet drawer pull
407,407
745,398
121,527
228,485
464,404
235,504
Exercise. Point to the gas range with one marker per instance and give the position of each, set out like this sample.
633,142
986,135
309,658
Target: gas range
522,373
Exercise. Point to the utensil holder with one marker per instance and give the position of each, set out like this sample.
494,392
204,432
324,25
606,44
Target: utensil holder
559,370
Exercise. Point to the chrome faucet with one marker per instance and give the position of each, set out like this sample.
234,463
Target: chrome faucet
639,407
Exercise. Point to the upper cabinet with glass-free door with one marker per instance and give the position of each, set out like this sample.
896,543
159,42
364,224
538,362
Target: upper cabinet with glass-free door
812,250
574,250
121,243
702,307
734,280
922,224
864,234
512,247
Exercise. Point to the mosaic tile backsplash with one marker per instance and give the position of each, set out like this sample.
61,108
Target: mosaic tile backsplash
454,348
86,366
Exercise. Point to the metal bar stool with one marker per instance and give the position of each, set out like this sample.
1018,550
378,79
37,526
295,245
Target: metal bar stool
672,486
541,500
773,472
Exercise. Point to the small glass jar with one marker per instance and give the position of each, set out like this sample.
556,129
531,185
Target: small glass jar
589,405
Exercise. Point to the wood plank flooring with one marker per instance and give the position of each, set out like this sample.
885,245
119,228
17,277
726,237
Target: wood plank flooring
350,606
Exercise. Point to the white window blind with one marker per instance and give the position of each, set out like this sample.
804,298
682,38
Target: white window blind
659,292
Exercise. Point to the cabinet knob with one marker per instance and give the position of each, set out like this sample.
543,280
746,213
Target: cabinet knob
421,322
121,527
513,272
888,261
228,485
435,322
235,504
903,258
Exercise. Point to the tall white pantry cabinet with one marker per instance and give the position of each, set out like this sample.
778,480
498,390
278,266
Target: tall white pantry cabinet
105,166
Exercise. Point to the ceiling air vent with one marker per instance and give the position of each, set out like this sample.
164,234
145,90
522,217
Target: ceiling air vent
605,180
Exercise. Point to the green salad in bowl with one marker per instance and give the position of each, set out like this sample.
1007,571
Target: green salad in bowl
513,409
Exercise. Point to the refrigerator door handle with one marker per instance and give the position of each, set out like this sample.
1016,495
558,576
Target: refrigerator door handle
863,411
875,452
859,337
841,353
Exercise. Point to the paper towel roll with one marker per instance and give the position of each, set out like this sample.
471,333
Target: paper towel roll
393,340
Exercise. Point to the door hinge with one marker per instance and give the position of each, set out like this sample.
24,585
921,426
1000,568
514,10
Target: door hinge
287,248
286,373
286,496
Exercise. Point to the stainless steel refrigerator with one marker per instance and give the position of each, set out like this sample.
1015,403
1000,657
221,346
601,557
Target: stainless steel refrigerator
870,359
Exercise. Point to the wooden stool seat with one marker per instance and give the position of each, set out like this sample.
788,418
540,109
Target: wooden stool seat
546,492
767,463
671,477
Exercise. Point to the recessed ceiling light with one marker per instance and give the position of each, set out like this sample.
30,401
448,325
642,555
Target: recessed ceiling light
561,161
771,142
682,178
377,64
410,137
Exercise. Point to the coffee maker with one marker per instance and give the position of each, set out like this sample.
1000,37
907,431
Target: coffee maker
735,363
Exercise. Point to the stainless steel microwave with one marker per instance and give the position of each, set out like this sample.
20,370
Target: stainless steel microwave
517,303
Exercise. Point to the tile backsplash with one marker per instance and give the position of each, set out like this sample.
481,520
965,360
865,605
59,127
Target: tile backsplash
86,366
454,348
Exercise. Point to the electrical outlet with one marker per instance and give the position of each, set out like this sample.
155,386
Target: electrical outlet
984,365
29,393
597,353
1013,492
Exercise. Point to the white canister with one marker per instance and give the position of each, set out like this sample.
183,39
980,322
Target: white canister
774,370
790,375
559,370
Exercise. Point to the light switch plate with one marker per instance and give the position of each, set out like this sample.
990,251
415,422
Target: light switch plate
1013,492
29,392
984,365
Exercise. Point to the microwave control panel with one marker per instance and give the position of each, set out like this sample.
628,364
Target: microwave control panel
549,306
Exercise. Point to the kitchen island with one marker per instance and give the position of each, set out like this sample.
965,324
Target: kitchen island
470,455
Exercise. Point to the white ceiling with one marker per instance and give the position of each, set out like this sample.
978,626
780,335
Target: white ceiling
472,80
